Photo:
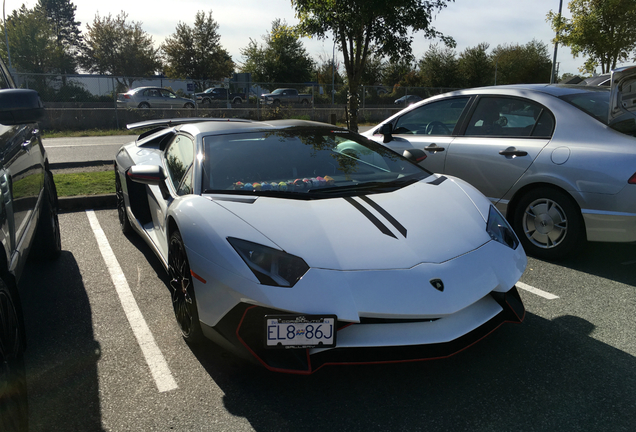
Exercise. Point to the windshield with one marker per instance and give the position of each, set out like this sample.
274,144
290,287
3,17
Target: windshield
594,103
301,162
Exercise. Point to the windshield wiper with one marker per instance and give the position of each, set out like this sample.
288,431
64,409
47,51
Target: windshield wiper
374,186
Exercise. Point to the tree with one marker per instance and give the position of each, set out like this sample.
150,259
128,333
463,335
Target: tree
364,28
475,66
60,14
440,68
30,41
196,53
282,59
522,64
402,72
117,47
602,30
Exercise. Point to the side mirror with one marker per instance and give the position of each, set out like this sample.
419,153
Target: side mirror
386,130
152,175
20,106
414,155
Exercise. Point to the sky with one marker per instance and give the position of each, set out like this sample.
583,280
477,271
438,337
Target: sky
469,22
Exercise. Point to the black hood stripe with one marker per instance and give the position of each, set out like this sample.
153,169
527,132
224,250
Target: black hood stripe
383,228
385,214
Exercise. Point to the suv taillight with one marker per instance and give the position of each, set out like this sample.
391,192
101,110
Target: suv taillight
632,179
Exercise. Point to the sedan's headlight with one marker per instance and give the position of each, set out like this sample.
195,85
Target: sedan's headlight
500,230
270,266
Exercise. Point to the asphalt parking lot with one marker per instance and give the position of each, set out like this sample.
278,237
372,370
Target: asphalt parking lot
90,366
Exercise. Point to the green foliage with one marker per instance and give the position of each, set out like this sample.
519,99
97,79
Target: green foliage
117,47
367,28
60,15
31,41
476,68
440,68
401,73
282,59
196,53
604,31
522,64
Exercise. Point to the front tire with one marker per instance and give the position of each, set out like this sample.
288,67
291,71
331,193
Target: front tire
183,300
549,224
189,105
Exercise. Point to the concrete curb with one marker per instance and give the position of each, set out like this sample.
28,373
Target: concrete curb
67,165
85,202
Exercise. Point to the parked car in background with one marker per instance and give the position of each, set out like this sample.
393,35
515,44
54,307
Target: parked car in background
152,97
285,96
407,100
300,244
28,227
219,94
599,80
558,161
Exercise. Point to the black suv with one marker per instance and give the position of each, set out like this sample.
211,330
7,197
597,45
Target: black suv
28,226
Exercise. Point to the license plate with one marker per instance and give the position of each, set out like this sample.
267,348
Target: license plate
300,331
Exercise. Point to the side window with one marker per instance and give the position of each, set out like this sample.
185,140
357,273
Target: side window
179,157
510,117
167,93
186,184
436,118
4,83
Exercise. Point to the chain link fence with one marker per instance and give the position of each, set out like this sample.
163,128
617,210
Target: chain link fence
102,89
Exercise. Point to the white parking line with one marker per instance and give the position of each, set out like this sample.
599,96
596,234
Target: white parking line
155,359
536,291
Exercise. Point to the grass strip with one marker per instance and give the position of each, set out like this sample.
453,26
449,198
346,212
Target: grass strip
85,183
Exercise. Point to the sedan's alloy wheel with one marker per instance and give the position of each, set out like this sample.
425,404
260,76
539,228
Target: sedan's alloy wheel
545,223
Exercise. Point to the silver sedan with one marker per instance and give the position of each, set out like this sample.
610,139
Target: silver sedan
152,97
558,161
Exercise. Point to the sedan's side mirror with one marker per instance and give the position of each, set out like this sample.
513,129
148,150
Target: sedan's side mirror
20,106
152,175
386,130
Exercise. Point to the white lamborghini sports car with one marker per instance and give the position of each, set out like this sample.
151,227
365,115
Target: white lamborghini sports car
300,244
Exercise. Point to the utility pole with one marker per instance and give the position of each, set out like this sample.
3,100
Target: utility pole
556,47
6,34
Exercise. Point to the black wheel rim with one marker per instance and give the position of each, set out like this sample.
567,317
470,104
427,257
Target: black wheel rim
13,396
121,208
181,286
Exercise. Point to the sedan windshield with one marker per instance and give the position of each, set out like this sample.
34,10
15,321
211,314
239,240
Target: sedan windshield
303,163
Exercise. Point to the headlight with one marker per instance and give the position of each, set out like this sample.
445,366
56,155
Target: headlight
270,266
500,230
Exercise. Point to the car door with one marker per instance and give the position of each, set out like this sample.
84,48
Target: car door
429,127
169,99
178,161
500,140
21,174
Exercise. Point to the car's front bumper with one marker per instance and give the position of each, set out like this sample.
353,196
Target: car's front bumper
372,341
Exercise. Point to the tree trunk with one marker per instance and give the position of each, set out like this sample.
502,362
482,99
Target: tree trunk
353,103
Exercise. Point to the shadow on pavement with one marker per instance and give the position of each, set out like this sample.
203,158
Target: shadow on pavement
540,375
62,352
613,261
